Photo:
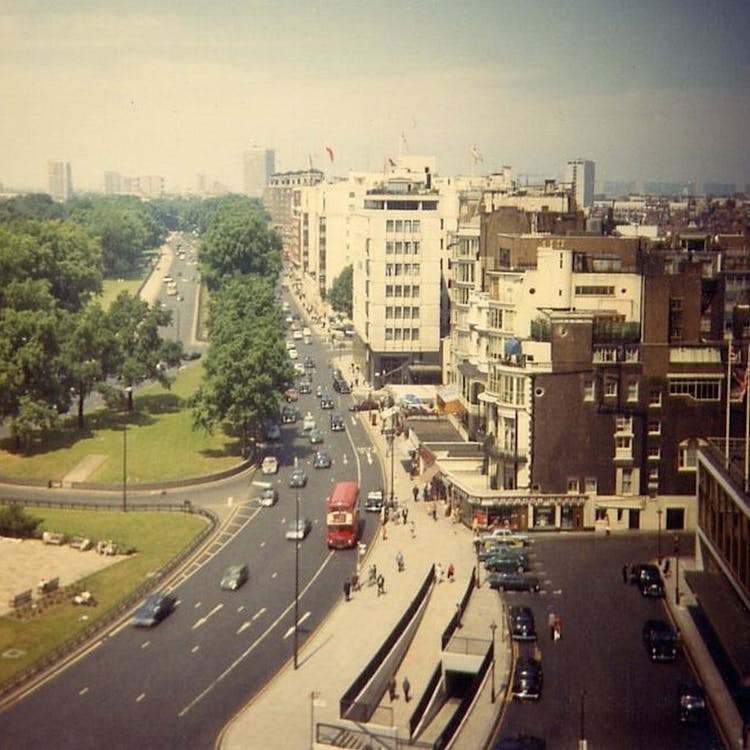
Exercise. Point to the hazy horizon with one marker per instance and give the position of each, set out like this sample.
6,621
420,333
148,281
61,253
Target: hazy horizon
648,91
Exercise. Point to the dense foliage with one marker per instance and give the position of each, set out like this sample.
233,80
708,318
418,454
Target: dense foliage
340,293
15,522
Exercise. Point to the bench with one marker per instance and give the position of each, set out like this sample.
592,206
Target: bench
47,587
21,600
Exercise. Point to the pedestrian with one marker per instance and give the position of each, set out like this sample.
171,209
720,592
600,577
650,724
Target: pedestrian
426,491
404,513
385,530
381,584
406,687
400,561
625,573
415,492
347,589
434,511
451,572
438,572
372,575
392,689
666,568
558,628
413,529
551,622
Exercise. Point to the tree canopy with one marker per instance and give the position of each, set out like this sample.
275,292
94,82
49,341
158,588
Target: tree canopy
341,291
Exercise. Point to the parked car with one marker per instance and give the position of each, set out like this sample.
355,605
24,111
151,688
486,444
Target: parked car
647,577
269,497
374,501
660,640
527,679
154,610
501,533
337,422
321,460
316,435
504,565
270,465
289,414
326,402
298,478
519,560
513,582
521,624
692,705
367,405
308,422
273,432
234,577
298,529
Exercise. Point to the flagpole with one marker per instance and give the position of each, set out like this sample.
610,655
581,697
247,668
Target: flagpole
747,418
729,400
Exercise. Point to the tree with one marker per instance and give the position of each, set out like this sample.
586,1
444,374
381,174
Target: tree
340,294
16,522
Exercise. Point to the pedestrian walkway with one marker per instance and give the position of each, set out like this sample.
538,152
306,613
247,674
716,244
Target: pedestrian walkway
286,711
723,707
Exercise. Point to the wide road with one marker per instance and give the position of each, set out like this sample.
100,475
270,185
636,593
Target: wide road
176,685
628,702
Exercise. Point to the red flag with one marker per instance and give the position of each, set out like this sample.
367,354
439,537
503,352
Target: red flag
329,151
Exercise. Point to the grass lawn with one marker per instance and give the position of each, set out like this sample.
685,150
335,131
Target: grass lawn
161,443
112,287
157,537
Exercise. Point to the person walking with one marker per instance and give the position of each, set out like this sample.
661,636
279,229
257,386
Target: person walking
439,572
347,589
381,584
451,572
551,623
392,689
415,492
400,562
406,687
625,573
558,628
404,514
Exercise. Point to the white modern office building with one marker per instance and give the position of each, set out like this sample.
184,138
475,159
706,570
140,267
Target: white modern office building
60,179
258,164
579,173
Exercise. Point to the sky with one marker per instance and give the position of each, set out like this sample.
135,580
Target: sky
649,90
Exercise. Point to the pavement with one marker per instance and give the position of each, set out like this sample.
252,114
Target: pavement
285,711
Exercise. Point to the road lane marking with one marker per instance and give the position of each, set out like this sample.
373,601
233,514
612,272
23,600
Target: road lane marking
203,620
257,642
241,608
245,625
140,697
299,622
83,691
145,644
194,649
258,613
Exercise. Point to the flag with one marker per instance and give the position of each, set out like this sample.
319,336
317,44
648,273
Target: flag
391,163
741,375
476,154
329,151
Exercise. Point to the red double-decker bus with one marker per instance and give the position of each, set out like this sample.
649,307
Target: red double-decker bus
342,515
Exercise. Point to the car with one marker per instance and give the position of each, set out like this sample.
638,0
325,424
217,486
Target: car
273,432
298,478
660,640
316,435
521,624
270,465
374,501
321,460
154,610
306,331
691,701
503,554
304,385
298,529
326,402
291,394
527,679
289,414
296,334
502,532
234,577
269,496
337,374
308,422
504,565
343,386
513,582
506,541
521,742
318,391
299,368
337,422
290,344
647,577
293,354
192,355
309,362
367,405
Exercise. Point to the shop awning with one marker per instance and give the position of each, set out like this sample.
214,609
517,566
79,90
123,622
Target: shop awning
429,474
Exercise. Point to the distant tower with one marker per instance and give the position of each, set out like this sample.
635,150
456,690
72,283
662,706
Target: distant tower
579,173
258,166
60,179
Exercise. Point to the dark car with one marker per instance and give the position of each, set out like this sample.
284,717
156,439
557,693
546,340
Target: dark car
374,501
298,478
316,435
513,582
309,362
305,386
326,402
154,610
647,577
521,624
234,577
367,405
291,394
321,460
337,422
506,564
527,679
692,704
521,742
660,640
289,414
273,432
341,386
269,497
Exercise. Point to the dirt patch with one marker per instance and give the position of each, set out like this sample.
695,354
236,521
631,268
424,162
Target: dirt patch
26,562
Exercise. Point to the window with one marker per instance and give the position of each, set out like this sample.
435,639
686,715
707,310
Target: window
623,446
597,291
700,389
574,487
415,226
654,397
687,454
633,390
589,391
654,427
624,424
627,482
654,452
590,485
389,248
653,476
415,334
610,387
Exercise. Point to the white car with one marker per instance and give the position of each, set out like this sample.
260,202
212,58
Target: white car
306,331
297,335
503,534
293,353
308,422
270,465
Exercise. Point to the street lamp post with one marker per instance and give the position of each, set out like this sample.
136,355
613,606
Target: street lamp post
677,570
582,740
493,628
128,395
296,588
658,535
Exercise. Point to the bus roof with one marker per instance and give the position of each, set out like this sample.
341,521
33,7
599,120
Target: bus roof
343,494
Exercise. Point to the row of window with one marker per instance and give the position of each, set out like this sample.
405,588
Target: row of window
700,389
398,312
402,248
597,291
405,226
402,290
401,334
402,269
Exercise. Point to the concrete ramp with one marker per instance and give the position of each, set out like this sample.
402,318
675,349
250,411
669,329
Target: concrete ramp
84,469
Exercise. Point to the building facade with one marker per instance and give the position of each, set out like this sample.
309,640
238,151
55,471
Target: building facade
59,179
258,164
580,174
